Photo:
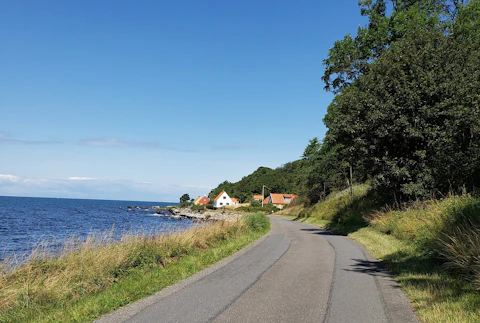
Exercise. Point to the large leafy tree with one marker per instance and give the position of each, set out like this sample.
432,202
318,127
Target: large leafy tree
388,21
413,118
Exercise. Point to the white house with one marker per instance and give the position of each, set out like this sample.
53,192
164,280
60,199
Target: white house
223,199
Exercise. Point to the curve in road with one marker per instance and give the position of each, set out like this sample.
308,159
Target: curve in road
298,273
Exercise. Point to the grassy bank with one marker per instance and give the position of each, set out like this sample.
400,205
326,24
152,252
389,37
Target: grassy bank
432,248
97,277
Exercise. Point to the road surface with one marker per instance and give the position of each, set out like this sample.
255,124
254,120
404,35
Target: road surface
298,273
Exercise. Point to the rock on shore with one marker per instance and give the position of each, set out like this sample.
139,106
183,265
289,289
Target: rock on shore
215,215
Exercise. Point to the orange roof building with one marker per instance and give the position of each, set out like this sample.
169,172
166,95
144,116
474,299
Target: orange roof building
201,200
279,199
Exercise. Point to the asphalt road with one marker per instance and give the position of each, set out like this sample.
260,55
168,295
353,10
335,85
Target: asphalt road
298,273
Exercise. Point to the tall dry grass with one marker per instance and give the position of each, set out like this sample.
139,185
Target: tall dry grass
449,227
90,266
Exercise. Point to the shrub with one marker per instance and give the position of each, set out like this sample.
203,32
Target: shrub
256,221
198,207
210,205
461,250
268,208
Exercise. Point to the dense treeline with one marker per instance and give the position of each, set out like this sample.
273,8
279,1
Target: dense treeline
285,179
406,115
407,108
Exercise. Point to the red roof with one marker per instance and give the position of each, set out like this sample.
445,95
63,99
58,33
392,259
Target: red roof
204,201
234,199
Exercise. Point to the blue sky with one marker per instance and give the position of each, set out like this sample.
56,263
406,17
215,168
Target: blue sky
147,100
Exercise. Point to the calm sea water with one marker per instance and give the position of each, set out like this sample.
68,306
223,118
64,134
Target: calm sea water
26,222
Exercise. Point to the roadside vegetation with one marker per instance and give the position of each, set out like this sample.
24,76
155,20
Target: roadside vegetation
96,276
431,247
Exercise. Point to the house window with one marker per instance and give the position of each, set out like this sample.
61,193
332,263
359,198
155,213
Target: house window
224,197
221,203
228,203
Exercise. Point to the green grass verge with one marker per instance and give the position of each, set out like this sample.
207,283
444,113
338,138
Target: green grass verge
432,248
437,294
140,281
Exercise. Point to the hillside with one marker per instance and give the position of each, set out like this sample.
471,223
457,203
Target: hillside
288,178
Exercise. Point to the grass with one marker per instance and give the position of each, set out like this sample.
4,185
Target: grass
437,294
96,277
339,212
432,248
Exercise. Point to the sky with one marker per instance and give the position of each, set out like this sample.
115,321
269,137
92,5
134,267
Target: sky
147,100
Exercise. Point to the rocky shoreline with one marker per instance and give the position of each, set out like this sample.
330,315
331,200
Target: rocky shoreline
187,213
206,215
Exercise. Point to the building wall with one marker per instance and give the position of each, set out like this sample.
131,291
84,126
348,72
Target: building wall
224,200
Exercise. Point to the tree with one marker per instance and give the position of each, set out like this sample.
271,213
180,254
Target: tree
352,57
312,148
414,118
184,198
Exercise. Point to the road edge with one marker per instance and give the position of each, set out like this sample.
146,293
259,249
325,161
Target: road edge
124,313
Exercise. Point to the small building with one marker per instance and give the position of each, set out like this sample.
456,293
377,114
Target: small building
279,200
235,201
201,200
222,200
258,198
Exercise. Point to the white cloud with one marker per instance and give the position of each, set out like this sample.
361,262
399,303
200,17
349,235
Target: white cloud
5,139
9,178
117,143
76,178
106,142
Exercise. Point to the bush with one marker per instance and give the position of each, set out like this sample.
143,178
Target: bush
198,207
268,208
210,205
256,221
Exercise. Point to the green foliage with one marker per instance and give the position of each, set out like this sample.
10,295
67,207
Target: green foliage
285,179
198,207
406,117
256,221
351,57
184,198
97,278
342,211
312,149
268,208
210,205
449,229
327,171
185,204
407,110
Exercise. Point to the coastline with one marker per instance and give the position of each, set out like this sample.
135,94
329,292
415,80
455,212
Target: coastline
86,283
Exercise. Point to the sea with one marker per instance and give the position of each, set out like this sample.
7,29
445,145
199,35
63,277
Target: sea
30,223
